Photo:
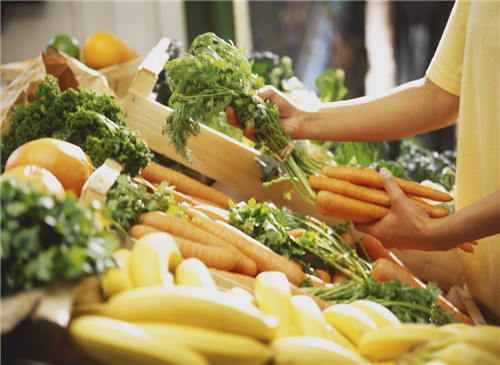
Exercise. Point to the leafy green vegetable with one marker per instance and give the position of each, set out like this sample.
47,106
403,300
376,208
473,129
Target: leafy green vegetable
409,304
330,85
129,197
90,120
43,238
272,68
213,75
319,247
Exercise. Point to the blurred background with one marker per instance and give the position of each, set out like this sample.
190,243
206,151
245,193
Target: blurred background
379,44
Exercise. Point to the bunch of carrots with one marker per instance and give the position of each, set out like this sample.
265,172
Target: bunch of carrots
357,194
205,233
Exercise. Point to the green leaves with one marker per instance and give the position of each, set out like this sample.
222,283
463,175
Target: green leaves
330,85
44,238
90,120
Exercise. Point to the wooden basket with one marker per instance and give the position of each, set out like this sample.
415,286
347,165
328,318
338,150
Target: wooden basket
218,156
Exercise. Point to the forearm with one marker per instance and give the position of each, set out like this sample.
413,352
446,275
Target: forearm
413,108
476,221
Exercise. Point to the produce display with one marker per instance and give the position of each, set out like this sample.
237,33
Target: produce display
167,269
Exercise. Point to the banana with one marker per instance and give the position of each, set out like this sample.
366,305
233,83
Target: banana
465,353
339,338
192,305
273,296
295,350
118,279
389,343
242,294
154,257
381,315
309,317
88,291
192,271
350,321
486,337
216,346
112,341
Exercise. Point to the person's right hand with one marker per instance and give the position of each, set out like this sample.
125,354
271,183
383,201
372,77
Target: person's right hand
292,116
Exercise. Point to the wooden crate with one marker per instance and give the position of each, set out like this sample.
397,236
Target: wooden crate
218,156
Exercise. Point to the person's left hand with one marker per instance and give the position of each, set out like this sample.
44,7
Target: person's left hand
405,226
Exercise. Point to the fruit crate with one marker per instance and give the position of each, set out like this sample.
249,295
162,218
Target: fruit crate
216,155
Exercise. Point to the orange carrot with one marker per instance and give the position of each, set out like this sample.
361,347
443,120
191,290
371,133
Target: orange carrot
350,189
370,177
335,214
349,238
467,246
324,275
348,207
139,230
215,257
339,277
385,270
376,250
367,194
156,173
185,229
213,212
265,258
433,210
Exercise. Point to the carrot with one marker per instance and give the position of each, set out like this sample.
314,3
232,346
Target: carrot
335,214
156,173
344,206
350,189
249,282
349,238
370,177
467,246
386,270
213,212
367,194
432,210
324,275
216,257
185,229
376,250
265,258
339,277
139,230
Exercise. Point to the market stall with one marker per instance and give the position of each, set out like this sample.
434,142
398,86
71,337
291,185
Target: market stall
136,231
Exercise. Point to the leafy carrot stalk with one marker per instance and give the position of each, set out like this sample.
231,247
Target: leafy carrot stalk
156,173
216,257
370,177
385,270
265,258
343,205
183,228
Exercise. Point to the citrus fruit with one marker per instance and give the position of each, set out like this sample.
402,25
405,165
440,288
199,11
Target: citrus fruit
65,160
103,49
67,44
46,180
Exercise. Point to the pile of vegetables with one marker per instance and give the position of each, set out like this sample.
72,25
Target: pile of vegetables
44,238
86,118
215,75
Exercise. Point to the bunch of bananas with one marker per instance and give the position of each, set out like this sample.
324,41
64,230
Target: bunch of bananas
161,308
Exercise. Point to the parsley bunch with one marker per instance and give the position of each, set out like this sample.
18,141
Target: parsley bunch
90,120
213,75
44,238
409,304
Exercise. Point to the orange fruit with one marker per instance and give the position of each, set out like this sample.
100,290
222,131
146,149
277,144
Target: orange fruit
103,49
46,180
65,160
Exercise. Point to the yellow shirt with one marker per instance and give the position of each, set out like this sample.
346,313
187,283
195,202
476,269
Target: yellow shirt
467,64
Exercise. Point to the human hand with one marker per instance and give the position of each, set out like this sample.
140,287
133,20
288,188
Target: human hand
406,224
291,115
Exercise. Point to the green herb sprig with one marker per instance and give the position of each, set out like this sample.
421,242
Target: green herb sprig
213,75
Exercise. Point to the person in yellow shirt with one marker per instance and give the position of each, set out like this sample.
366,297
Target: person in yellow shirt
461,85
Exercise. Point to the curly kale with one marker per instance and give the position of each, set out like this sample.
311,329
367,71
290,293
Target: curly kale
44,238
86,118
